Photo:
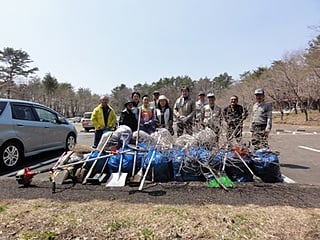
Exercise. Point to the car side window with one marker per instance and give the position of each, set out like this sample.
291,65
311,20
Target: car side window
46,116
22,112
2,106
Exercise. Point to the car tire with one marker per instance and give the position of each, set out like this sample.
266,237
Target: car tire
11,154
87,129
70,142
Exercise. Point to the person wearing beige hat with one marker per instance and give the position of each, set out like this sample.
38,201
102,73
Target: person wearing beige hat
164,114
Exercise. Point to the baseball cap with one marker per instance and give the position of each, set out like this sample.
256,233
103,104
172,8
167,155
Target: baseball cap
185,88
201,93
211,95
259,91
156,92
128,102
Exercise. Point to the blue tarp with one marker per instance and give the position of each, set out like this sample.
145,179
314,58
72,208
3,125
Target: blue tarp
265,164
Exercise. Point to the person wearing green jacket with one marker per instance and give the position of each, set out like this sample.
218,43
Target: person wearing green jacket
103,119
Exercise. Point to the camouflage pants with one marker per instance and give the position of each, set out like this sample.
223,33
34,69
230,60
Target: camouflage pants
259,139
184,126
234,132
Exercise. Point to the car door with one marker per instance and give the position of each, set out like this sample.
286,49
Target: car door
54,134
26,127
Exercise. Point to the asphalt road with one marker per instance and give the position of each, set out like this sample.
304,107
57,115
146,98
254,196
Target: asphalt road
299,150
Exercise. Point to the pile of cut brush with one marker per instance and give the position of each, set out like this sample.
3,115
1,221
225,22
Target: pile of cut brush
123,157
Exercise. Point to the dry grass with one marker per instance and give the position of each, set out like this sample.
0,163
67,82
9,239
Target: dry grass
45,219
298,119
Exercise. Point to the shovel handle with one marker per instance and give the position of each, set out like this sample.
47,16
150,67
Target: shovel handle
137,141
149,164
246,165
95,161
147,170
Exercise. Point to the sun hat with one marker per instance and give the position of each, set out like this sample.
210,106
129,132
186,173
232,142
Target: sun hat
163,97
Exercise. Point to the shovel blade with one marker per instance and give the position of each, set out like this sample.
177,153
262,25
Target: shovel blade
117,180
137,178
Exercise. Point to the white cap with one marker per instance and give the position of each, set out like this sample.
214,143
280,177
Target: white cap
211,95
259,91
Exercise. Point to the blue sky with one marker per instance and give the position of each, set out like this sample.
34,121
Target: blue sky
100,44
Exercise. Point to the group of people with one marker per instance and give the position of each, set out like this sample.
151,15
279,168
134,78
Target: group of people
150,115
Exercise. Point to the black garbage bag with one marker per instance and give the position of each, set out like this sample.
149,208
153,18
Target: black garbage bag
236,169
265,164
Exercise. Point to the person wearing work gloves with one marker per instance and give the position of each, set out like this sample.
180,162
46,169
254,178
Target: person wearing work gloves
213,116
261,121
234,115
103,119
184,110
147,116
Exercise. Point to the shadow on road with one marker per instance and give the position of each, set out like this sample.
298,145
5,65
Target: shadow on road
293,166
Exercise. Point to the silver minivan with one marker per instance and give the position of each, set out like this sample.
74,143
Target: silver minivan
28,128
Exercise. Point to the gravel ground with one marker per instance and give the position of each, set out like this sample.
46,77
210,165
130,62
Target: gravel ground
258,193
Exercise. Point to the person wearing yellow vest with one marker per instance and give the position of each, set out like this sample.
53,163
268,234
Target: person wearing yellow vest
103,119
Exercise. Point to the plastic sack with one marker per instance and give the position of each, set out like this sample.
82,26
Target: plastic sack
236,170
265,164
99,164
161,168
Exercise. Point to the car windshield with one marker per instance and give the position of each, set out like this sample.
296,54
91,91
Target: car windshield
87,115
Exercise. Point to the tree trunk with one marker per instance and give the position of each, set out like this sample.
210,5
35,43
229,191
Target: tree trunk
306,114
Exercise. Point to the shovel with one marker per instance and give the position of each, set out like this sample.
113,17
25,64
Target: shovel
255,177
133,178
118,179
222,179
149,165
147,170
95,162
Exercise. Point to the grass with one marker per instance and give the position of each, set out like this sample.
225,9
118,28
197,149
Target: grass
146,221
298,119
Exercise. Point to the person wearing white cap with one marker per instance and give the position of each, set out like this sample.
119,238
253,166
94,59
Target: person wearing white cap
261,120
164,114
213,116
200,107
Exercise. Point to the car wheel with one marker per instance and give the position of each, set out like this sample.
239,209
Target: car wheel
70,142
10,154
87,129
